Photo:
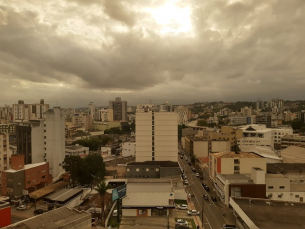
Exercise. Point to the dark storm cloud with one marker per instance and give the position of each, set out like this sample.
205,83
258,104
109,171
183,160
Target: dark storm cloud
238,50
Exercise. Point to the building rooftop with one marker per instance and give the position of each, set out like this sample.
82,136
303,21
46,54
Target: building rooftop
47,190
58,218
149,187
272,214
160,163
293,154
263,151
294,137
285,168
235,155
29,166
235,177
64,195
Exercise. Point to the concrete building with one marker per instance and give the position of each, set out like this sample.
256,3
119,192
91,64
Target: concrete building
144,198
92,111
246,111
54,140
8,128
257,213
76,150
141,108
241,185
58,218
24,112
289,140
156,136
128,149
103,115
202,146
234,163
82,120
6,115
119,109
4,154
227,133
166,107
261,131
263,120
24,177
285,181
255,141
183,114
238,120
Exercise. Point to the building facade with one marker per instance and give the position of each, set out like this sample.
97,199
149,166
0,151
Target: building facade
4,154
156,136
25,112
119,109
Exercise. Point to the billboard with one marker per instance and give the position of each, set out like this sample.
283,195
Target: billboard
119,192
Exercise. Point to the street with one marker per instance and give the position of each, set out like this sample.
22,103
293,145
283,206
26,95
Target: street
212,214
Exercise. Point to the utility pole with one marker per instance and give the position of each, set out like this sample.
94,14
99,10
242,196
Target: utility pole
202,210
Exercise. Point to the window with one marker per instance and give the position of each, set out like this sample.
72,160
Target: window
236,191
270,187
236,161
137,169
127,170
297,196
282,187
157,169
236,167
147,169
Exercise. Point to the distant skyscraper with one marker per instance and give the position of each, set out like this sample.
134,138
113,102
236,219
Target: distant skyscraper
156,136
246,111
92,111
119,109
260,104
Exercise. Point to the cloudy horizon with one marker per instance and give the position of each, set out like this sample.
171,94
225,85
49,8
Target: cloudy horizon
72,52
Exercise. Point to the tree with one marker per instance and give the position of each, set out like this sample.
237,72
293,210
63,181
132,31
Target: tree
202,123
96,166
297,124
73,164
102,188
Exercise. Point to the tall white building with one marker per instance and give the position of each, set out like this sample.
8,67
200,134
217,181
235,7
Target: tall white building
156,136
182,115
4,153
24,112
103,114
54,137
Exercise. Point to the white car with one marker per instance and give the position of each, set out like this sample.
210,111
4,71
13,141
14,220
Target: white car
182,222
21,207
197,174
193,212
182,207
186,182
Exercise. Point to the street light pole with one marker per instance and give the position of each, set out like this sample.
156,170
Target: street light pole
202,210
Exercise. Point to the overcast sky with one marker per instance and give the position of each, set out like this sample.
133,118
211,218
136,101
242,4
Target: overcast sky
71,52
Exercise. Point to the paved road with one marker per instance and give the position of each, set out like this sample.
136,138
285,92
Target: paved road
212,217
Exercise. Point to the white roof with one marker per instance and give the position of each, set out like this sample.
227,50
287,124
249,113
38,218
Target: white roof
29,166
148,187
293,154
263,151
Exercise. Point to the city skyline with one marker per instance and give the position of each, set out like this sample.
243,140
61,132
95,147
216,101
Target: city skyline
72,52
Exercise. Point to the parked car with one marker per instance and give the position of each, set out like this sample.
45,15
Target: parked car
205,186
206,197
228,226
182,222
182,207
181,157
193,169
21,207
193,212
197,175
213,198
38,212
186,182
189,163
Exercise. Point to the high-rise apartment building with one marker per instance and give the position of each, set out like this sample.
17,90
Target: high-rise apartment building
43,140
156,136
119,109
5,114
183,113
24,112
92,111
246,111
